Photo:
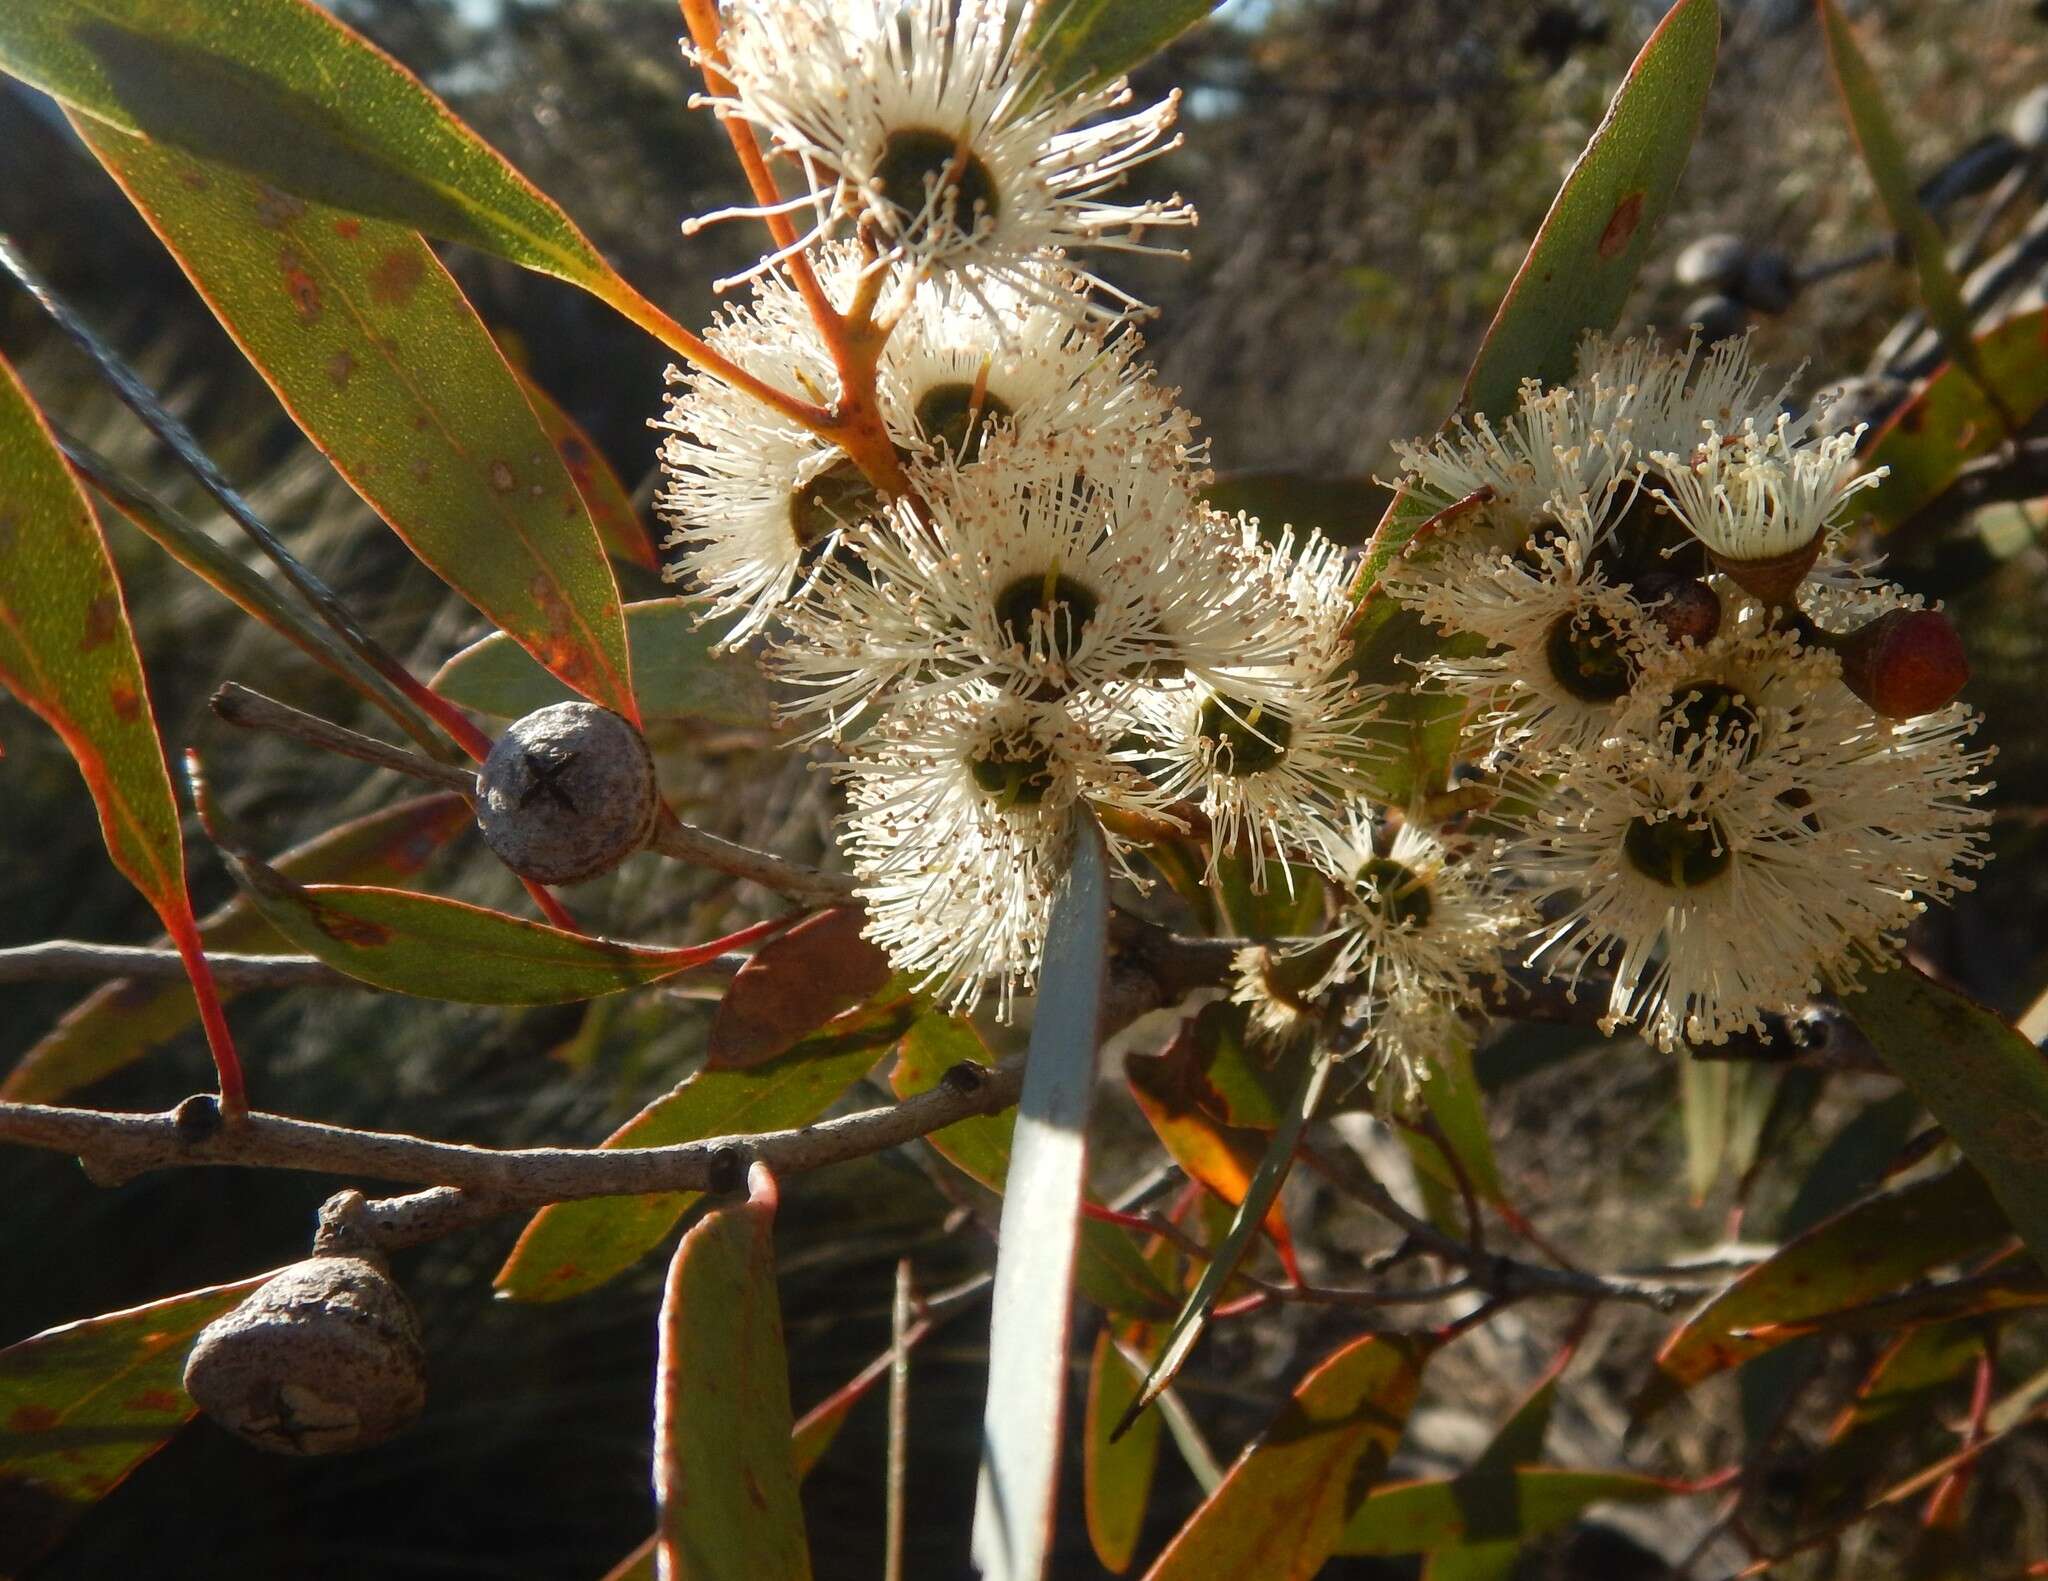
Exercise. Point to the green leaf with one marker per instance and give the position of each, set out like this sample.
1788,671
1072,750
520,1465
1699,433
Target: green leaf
1083,42
573,1247
619,526
1455,1101
1417,729
1117,1472
1039,1235
284,93
1865,1251
1885,158
724,1478
675,673
1899,1395
1725,1104
119,1022
375,353
1594,240
1284,1507
67,650
83,1405
1985,1083
1416,1517
436,948
1109,1268
1949,422
1224,1256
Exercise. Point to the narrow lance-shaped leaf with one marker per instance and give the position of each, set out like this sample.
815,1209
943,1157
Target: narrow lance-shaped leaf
374,351
1033,1303
574,1247
282,91
1415,1517
1949,422
67,651
406,943
724,1479
1117,1472
83,1405
1986,1084
1885,158
1090,41
675,673
1224,1256
121,1021
1875,1246
1281,1509
793,985
619,526
1597,234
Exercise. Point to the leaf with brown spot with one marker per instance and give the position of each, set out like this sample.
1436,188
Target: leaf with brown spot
794,985
604,495
67,651
429,425
119,1022
1282,1509
725,1480
1593,241
83,1405
1864,1251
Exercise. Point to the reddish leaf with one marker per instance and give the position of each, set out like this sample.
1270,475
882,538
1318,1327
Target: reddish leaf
120,1021
1282,1508
724,1479
1928,441
373,350
1864,1251
604,495
83,1405
573,1247
794,985
68,652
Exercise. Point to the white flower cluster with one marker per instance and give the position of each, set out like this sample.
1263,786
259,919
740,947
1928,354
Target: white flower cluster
1714,822
1049,617
1035,618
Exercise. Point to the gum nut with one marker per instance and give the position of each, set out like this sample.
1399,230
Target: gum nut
567,793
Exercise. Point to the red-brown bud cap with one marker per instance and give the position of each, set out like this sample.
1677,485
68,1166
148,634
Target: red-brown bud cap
1905,663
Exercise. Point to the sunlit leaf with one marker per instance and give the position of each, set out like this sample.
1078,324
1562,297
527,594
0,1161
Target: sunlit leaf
68,651
1985,1083
1884,156
121,1021
573,1247
1594,240
619,526
1283,1508
1117,1472
724,1480
83,1405
675,673
1089,41
436,948
793,985
1927,442
1415,1517
282,91
1865,1251
374,351
1031,1310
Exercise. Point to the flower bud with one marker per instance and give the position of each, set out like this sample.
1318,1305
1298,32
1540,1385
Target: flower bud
325,1356
567,793
1905,663
1683,607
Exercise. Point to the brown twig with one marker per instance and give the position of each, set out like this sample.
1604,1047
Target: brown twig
74,960
251,710
809,885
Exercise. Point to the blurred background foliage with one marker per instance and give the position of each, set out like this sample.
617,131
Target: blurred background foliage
1368,174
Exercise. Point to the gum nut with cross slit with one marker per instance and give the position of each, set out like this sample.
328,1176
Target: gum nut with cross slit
567,793
324,1357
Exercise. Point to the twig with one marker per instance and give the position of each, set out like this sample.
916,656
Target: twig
251,710
899,1422
475,1183
74,960
687,843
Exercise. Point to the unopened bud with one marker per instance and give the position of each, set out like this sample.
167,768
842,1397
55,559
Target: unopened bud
1683,607
1905,663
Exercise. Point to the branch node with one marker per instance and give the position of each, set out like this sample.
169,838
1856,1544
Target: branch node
966,1078
198,1119
726,1169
